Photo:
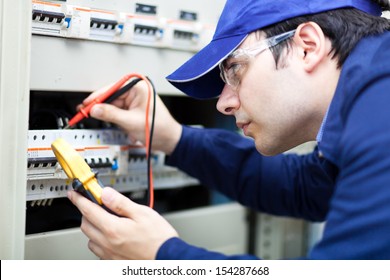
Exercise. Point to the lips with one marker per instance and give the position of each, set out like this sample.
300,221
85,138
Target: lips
243,126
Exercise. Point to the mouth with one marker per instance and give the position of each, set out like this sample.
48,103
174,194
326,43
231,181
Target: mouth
244,127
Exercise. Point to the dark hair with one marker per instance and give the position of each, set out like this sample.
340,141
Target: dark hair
384,4
344,27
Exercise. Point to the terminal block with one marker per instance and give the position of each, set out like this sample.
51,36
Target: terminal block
118,162
144,27
143,31
183,35
104,26
48,19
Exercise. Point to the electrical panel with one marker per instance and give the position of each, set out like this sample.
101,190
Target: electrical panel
87,37
127,22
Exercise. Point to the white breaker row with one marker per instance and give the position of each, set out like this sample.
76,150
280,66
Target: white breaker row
143,27
118,163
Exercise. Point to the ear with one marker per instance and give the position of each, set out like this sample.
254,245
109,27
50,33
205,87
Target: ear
312,45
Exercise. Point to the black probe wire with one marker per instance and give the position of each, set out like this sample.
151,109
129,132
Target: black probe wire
120,92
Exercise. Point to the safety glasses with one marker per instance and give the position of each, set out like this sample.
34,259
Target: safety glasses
234,66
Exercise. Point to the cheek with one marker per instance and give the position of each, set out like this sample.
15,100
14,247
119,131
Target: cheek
272,97
272,115
260,91
263,104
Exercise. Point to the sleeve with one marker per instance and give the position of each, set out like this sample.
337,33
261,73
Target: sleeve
288,185
358,224
176,249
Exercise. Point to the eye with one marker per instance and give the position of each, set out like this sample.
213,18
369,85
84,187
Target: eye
235,69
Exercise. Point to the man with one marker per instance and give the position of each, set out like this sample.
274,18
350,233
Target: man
289,72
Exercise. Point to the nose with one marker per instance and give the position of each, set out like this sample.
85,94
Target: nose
228,101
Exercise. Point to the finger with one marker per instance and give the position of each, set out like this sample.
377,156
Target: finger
83,204
93,233
93,95
113,114
93,212
96,249
119,204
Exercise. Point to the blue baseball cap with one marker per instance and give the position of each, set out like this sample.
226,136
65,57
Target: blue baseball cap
199,76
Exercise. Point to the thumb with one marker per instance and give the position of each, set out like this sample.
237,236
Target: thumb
118,203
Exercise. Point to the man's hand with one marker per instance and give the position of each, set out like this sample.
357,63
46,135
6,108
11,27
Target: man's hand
129,113
136,234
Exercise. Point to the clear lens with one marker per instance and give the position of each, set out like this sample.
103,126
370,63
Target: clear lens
231,73
234,70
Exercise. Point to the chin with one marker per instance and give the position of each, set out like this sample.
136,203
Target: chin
269,149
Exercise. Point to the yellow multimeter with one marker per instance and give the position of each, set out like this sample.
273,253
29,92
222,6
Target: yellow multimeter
83,179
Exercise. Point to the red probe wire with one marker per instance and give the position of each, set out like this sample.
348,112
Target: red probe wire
84,111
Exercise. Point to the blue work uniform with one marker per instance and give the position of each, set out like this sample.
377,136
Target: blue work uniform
345,181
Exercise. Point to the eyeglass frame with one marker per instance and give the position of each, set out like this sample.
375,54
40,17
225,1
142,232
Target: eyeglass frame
250,52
